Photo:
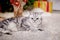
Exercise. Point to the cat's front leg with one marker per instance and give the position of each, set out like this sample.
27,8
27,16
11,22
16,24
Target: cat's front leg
12,27
40,27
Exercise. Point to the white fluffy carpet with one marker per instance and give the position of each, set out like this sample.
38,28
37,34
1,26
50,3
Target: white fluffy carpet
53,33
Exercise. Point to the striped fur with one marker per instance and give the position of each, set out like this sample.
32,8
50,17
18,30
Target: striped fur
33,21
12,25
4,25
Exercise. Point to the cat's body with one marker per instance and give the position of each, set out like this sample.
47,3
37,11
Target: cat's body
13,24
5,25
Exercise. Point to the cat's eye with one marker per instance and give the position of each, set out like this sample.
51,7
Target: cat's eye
31,18
37,18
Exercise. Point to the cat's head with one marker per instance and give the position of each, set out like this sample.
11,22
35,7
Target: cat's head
36,14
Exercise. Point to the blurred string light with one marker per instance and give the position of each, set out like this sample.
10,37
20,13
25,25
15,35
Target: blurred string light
6,6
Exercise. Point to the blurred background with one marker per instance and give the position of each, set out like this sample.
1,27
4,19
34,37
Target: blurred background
7,9
5,6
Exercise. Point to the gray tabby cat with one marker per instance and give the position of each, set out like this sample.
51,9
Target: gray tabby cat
30,21
12,25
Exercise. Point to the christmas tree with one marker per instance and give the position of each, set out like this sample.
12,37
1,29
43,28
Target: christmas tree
29,5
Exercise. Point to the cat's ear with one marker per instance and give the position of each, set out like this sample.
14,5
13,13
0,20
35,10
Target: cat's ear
25,13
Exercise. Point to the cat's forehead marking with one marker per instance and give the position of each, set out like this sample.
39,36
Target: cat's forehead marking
36,14
37,11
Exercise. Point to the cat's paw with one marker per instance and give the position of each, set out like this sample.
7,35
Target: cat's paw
8,33
40,29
